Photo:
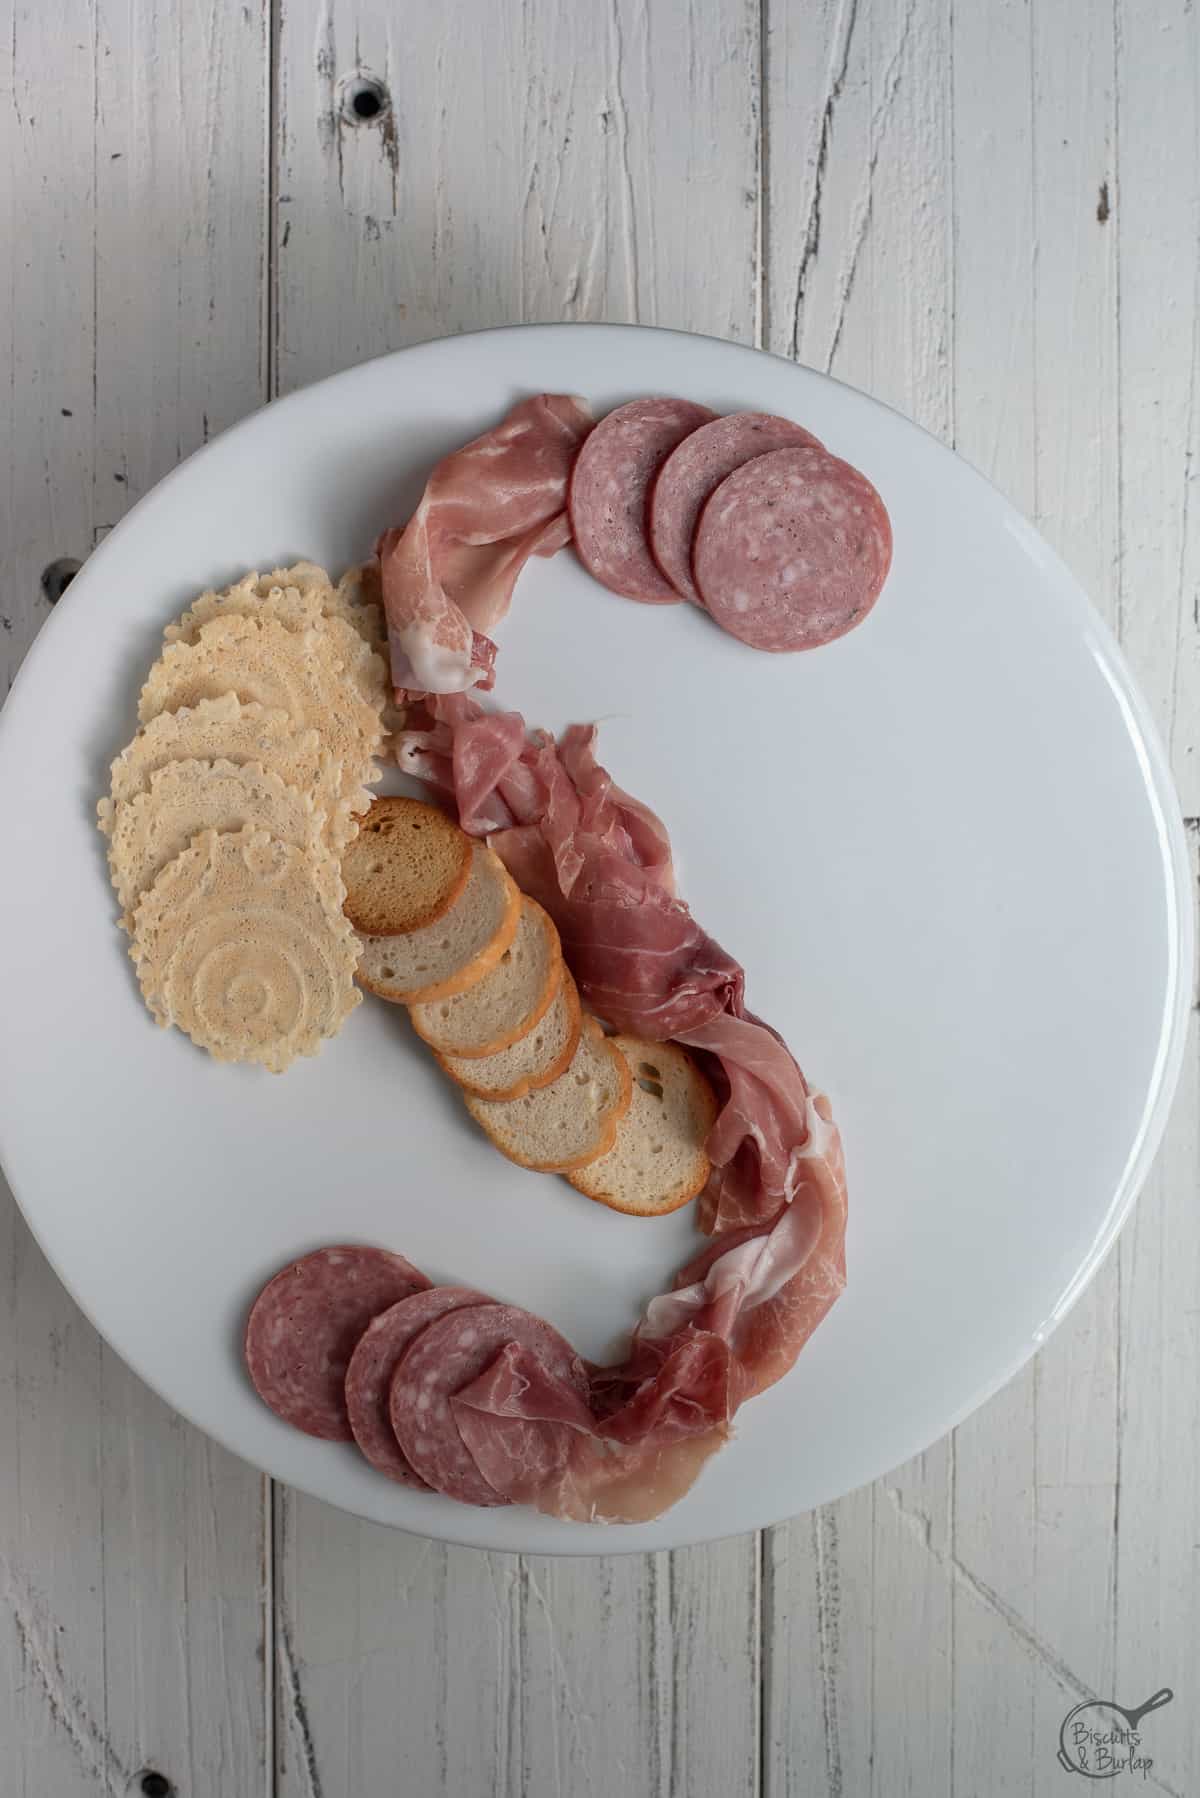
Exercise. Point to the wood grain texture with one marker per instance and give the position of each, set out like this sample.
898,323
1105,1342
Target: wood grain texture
615,177
537,161
988,216
860,279
930,1635
132,1571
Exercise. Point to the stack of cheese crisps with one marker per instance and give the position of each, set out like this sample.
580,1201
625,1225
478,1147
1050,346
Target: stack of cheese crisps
480,967
228,813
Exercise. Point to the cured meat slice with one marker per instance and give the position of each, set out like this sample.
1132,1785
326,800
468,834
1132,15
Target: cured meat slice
600,863
765,1288
305,1323
695,469
756,1143
449,573
791,550
450,1356
372,1369
609,488
520,1421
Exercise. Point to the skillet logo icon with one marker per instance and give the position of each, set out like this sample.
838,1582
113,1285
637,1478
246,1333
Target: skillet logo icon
1101,1739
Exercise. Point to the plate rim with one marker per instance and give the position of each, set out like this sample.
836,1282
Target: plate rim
1170,830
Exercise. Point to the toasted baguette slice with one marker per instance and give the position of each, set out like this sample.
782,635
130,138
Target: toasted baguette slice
658,1161
565,1125
405,868
507,1003
451,954
534,1060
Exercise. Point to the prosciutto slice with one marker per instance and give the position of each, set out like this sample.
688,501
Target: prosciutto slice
738,1315
734,1323
621,1459
449,573
599,861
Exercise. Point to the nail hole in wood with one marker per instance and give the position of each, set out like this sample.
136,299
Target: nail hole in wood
156,1785
365,100
57,577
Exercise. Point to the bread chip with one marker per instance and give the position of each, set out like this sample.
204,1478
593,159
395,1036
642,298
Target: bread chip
265,663
185,798
457,949
406,867
563,1126
241,944
659,1160
534,1060
505,1005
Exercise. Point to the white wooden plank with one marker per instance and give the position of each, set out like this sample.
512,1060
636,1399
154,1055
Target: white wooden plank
535,162
818,1603
1157,205
995,1534
857,1609
1156,214
678,1635
46,304
1155,1614
1018,1523
132,1591
1076,1427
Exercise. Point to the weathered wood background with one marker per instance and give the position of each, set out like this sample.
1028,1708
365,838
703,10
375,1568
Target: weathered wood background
988,215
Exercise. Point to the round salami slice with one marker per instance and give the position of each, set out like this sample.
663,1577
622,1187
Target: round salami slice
447,1357
695,469
792,550
305,1323
373,1365
609,487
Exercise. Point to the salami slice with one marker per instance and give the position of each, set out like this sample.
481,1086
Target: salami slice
305,1323
610,485
449,1356
792,550
373,1365
695,469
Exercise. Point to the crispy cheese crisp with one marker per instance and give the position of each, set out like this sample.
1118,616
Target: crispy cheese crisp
226,730
299,597
305,672
185,798
242,945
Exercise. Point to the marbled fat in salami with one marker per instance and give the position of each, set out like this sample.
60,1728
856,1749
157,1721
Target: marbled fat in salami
690,473
792,550
609,490
305,1323
447,1359
373,1366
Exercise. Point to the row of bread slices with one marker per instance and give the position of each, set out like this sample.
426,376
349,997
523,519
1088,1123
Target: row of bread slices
260,725
479,965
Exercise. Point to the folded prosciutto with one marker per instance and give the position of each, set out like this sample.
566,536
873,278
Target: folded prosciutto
449,573
600,863
737,1317
733,1324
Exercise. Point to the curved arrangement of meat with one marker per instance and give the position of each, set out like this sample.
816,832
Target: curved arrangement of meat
782,544
787,547
738,1316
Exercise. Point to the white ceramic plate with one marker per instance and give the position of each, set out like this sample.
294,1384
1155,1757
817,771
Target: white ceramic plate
945,848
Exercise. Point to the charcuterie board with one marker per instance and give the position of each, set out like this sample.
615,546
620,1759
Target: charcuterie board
944,847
